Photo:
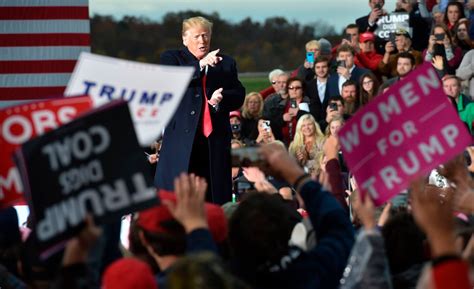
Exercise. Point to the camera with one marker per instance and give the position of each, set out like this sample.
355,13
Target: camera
332,106
246,157
378,6
341,63
439,36
235,128
293,103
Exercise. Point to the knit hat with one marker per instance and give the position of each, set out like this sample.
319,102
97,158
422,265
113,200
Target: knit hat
128,273
153,218
325,46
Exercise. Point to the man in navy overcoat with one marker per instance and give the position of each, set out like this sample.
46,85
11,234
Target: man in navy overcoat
188,145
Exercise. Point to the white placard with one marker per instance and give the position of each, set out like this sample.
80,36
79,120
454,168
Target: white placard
152,91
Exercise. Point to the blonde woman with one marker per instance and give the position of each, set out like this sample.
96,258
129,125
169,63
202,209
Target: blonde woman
251,113
307,143
334,126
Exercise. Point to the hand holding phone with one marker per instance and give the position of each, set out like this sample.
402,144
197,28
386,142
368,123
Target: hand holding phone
341,63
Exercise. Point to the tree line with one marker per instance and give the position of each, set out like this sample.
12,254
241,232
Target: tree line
275,43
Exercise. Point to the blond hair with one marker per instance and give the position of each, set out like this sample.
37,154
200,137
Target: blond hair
245,112
312,43
298,140
333,119
196,21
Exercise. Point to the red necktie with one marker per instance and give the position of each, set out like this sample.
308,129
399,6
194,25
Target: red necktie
206,117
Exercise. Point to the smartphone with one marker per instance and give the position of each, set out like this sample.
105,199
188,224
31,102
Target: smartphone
266,125
341,63
333,106
293,103
378,6
310,57
348,37
246,157
392,38
439,36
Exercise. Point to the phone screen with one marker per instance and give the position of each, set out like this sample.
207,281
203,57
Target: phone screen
310,57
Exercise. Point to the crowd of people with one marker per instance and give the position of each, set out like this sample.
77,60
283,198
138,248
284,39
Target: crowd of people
287,213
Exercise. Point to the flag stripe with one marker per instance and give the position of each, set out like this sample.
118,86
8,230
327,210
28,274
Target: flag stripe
17,93
49,39
40,42
42,3
30,13
42,53
37,66
43,26
34,79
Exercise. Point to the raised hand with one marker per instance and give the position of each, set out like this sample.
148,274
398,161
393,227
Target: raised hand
189,208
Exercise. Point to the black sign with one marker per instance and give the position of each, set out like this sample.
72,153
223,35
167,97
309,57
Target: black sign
92,165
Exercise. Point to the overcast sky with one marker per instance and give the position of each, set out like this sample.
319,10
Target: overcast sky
335,12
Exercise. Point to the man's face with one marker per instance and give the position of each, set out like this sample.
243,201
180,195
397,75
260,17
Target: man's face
234,120
372,3
349,93
354,32
347,57
438,17
404,66
281,83
198,40
451,88
367,46
321,69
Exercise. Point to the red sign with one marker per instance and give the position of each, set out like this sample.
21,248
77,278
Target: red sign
24,122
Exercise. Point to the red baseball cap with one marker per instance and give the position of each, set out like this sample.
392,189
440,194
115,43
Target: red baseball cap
151,219
128,273
235,113
366,36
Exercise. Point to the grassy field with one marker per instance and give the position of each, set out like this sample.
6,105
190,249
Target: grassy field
254,82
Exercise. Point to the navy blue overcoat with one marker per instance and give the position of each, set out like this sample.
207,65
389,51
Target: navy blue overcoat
179,134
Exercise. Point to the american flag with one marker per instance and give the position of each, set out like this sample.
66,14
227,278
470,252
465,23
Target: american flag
40,41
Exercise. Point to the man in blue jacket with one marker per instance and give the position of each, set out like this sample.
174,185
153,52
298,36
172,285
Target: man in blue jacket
197,139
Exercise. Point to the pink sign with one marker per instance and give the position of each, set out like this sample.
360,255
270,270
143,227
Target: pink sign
402,134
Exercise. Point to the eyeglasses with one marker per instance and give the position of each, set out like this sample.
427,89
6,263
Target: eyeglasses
279,82
367,82
294,87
